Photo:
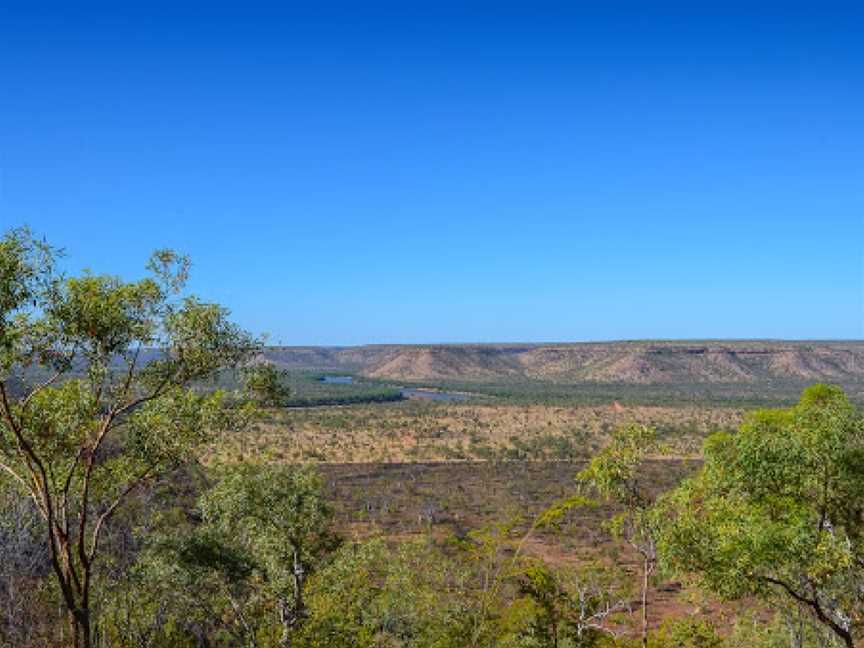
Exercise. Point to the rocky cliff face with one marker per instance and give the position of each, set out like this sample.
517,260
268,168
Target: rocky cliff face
625,362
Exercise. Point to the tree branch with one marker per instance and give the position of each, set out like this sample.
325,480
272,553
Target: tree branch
39,388
814,605
106,515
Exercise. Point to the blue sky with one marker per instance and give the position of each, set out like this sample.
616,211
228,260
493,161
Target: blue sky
413,172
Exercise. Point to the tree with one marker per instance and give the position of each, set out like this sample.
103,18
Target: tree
573,604
199,587
615,474
98,395
777,511
687,632
279,516
410,593
265,385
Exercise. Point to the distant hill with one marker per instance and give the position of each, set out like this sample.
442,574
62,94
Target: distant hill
605,362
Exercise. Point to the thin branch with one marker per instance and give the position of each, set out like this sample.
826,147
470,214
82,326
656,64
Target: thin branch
37,474
68,483
143,399
14,474
40,387
238,610
813,603
40,486
106,515
131,373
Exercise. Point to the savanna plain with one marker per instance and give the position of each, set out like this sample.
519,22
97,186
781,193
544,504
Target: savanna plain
170,481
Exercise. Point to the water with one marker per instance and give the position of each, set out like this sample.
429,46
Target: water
407,392
426,394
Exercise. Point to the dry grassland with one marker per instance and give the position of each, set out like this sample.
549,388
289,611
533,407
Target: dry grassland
425,432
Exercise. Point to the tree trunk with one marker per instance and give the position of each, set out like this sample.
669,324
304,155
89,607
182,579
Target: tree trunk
286,619
646,572
79,628
292,613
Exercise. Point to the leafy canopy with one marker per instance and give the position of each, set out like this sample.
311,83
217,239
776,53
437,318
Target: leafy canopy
777,510
100,392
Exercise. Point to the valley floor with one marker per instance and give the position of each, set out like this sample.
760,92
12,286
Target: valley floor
412,431
443,471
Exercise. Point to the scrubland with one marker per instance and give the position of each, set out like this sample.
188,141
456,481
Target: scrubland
416,431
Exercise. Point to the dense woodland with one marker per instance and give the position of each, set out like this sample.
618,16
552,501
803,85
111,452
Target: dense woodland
122,525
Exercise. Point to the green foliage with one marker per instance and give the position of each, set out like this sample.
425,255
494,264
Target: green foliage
277,516
409,595
520,391
107,393
299,389
265,385
615,474
552,516
118,406
777,510
689,632
573,606
273,512
361,597
238,574
187,583
790,627
614,471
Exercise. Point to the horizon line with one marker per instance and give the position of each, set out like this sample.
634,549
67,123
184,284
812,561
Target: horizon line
576,342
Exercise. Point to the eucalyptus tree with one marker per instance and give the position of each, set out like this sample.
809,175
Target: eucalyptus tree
279,518
100,394
265,385
777,512
616,474
573,606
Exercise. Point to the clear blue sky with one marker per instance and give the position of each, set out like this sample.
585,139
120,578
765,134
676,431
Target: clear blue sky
415,172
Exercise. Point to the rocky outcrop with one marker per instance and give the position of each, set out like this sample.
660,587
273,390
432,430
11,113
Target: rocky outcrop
624,362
